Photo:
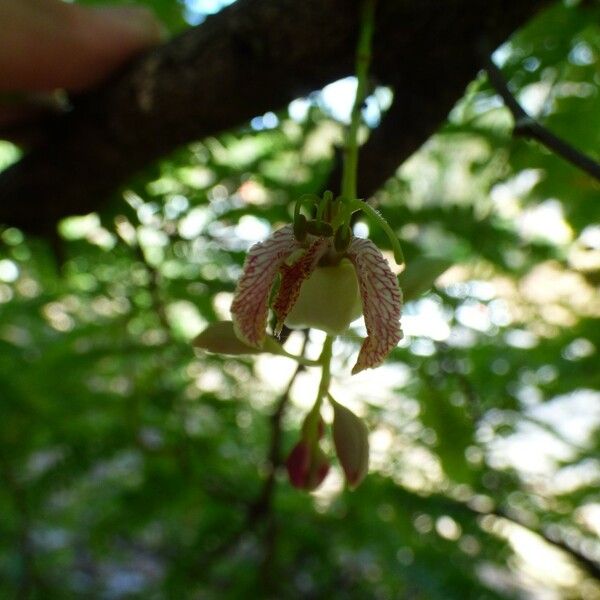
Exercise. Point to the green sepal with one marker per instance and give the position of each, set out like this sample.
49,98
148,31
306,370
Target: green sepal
420,274
220,338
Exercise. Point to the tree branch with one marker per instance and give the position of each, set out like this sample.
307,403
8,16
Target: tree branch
527,126
252,57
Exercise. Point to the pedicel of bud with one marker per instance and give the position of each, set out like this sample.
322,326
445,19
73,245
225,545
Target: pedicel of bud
351,439
300,227
220,338
342,237
319,228
313,424
307,465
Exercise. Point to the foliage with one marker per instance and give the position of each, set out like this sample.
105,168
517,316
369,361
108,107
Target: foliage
133,467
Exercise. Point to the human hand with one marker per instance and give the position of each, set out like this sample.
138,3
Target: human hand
49,44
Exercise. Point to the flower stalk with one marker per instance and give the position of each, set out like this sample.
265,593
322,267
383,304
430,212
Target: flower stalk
325,360
363,59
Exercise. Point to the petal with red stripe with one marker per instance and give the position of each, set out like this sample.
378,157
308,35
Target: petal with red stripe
251,300
292,278
381,300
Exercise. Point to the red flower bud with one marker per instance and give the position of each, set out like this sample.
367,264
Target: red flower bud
307,465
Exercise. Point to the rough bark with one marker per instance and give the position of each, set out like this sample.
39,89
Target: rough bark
255,56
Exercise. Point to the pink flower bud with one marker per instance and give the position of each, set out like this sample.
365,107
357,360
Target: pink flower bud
351,439
307,465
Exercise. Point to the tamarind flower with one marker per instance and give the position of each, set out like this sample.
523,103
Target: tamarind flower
320,287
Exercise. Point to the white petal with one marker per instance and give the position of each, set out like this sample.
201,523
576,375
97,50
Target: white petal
251,301
381,300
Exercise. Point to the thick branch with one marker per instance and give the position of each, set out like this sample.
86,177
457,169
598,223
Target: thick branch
527,126
255,56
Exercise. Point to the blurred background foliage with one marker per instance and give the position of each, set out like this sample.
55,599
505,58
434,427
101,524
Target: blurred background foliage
133,468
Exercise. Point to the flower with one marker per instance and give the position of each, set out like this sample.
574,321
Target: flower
319,287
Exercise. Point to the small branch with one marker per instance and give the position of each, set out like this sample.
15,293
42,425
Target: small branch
527,126
463,508
474,402
259,510
262,506
586,564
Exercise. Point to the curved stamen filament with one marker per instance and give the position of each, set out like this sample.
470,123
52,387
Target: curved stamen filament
371,212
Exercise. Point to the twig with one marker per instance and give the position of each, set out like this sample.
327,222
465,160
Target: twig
259,510
588,565
262,504
527,126
473,399
265,501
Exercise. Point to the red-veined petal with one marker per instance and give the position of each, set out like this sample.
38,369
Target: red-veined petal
292,278
381,300
251,301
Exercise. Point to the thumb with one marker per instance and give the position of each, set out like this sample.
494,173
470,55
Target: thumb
51,44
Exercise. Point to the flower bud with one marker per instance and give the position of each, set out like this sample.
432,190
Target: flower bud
307,465
351,439
220,338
